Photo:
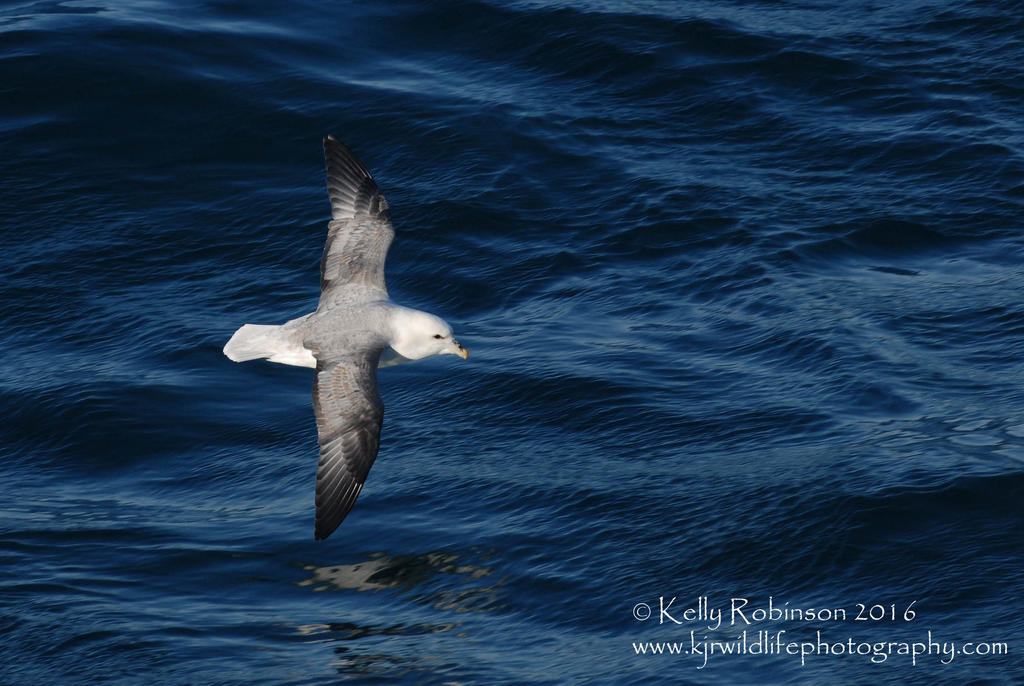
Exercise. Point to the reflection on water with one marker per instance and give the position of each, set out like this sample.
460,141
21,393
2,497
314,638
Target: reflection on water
348,631
442,580
439,580
380,650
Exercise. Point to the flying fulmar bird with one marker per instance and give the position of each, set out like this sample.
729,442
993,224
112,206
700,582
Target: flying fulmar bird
355,329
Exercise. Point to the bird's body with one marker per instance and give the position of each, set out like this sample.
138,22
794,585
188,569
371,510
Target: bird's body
355,329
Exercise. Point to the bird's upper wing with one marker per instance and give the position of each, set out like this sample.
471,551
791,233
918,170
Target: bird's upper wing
349,413
360,232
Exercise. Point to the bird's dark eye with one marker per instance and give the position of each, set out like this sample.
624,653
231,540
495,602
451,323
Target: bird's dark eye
437,335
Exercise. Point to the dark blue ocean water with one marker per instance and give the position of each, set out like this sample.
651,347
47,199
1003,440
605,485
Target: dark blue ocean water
741,283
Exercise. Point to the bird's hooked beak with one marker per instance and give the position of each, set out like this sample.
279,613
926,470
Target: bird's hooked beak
459,350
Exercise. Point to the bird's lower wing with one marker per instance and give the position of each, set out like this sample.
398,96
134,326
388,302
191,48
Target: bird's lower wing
349,413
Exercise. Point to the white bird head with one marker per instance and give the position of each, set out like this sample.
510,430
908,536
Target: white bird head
416,334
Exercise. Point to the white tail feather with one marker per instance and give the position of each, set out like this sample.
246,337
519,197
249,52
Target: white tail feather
274,343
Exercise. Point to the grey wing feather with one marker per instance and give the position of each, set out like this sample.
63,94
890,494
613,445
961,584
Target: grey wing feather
349,413
360,232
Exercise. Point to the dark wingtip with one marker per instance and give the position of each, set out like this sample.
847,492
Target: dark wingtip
321,533
332,142
350,185
342,162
